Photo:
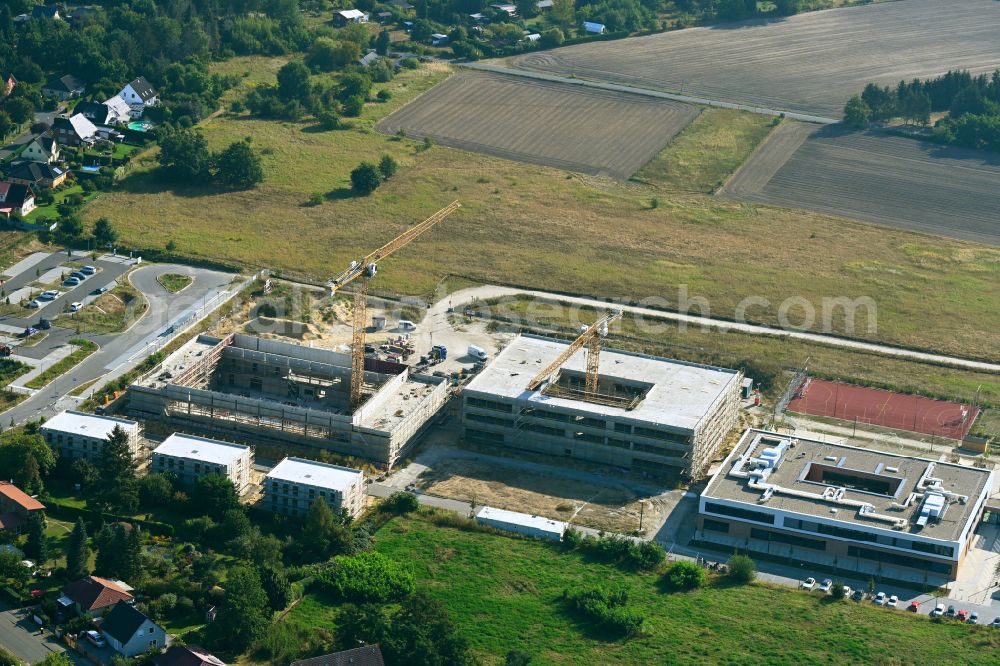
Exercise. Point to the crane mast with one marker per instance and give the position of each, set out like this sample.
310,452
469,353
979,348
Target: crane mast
365,270
591,338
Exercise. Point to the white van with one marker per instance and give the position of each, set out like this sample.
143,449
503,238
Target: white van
407,325
478,353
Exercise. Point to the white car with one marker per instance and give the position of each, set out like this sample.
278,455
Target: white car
848,592
880,599
33,304
50,295
88,270
938,611
826,585
893,601
95,638
75,307
808,583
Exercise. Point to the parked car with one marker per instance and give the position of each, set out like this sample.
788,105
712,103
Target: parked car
995,623
88,270
808,583
859,595
825,586
938,611
880,599
33,304
973,618
914,607
78,275
50,295
847,592
962,615
75,307
71,281
95,638
951,611
893,601
44,324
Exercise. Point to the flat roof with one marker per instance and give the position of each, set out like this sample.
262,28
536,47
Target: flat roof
884,481
203,449
86,425
313,473
523,519
681,393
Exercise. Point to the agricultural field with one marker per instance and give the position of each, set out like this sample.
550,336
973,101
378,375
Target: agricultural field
504,594
573,128
887,180
809,63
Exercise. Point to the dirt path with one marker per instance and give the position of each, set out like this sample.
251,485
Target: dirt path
770,155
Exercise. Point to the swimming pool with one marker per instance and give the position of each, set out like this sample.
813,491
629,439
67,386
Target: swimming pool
140,125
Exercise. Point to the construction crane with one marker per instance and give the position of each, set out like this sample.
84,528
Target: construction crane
592,338
365,270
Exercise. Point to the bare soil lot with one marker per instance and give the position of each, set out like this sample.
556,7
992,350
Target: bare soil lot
888,180
809,63
585,130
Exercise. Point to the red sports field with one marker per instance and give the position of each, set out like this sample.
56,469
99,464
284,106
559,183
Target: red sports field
883,408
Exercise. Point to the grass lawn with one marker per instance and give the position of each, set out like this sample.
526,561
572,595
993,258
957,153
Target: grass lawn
504,595
707,151
49,212
174,282
540,227
85,349
111,312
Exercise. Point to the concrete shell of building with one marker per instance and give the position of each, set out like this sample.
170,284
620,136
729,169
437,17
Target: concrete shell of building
652,415
189,458
865,512
75,435
273,392
295,483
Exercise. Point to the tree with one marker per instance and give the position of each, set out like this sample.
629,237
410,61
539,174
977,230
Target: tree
366,577
78,552
787,7
55,659
37,546
366,178
423,634
293,82
119,553
276,586
328,54
328,120
684,576
104,233
387,167
856,113
117,489
742,569
20,110
881,101
238,166
27,459
916,107
355,85
215,495
155,490
382,43
517,658
400,503
244,614
323,534
563,13
184,156
838,591
353,106
85,473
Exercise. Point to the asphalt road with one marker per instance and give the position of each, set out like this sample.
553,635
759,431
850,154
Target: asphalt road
116,350
19,634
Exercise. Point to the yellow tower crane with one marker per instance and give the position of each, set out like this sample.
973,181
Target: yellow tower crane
365,270
592,338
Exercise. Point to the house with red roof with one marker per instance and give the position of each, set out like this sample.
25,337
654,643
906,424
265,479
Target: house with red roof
92,595
15,507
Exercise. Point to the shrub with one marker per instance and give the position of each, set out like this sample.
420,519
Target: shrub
366,178
353,106
400,503
684,576
409,63
366,578
838,591
742,569
606,608
383,95
387,166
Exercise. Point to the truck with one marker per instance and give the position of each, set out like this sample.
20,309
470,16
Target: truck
478,353
440,352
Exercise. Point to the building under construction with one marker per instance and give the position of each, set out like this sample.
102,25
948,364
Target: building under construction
647,414
268,391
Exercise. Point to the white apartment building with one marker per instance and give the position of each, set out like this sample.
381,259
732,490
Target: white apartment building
189,458
294,484
75,435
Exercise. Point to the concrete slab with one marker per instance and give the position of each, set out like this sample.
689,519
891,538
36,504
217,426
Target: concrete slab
24,264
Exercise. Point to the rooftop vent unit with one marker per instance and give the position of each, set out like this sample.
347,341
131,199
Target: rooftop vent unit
933,507
831,458
892,470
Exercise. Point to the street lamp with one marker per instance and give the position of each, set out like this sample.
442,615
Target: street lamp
642,506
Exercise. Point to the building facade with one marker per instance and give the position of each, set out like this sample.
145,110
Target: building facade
295,483
651,415
75,435
869,513
189,458
15,507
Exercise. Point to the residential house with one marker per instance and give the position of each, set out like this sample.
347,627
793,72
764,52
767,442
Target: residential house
43,148
75,130
8,83
39,175
93,595
384,17
187,655
139,94
119,110
593,28
510,10
130,633
15,504
63,88
96,112
50,12
369,58
437,39
16,200
366,655
345,16
22,18
544,4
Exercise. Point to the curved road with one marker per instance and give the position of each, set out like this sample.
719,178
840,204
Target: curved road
116,353
472,294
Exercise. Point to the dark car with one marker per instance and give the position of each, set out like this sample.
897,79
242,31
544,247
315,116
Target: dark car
78,275
44,324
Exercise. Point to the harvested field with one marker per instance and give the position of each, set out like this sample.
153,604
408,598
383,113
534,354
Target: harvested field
888,180
585,130
809,63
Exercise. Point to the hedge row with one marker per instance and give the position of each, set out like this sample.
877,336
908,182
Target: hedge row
57,509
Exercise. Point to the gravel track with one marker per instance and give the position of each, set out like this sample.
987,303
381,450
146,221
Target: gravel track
895,181
553,124
809,63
